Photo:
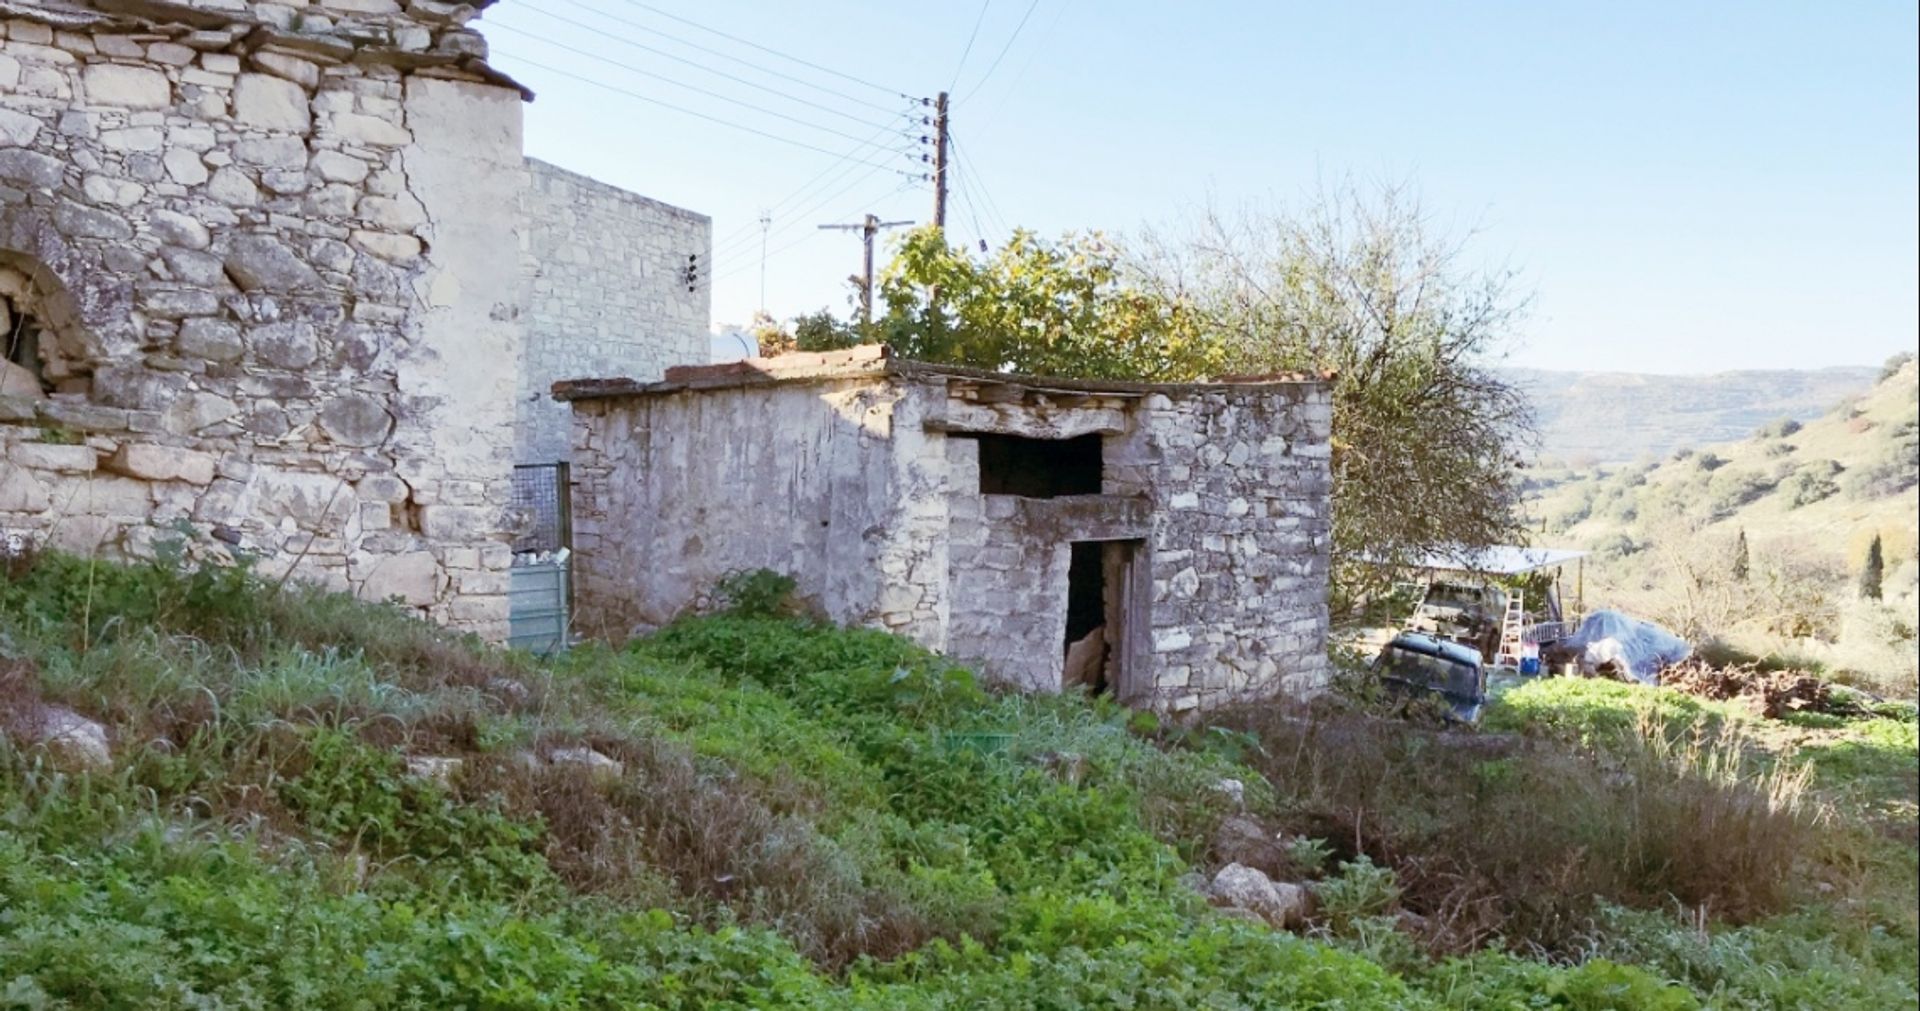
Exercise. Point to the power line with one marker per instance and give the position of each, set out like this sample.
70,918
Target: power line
705,49
969,168
1059,13
826,177
733,256
995,65
805,236
680,109
696,89
765,49
964,53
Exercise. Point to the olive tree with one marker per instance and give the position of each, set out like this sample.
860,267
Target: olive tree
1427,436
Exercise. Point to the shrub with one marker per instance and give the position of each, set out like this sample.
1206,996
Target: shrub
1731,489
1779,428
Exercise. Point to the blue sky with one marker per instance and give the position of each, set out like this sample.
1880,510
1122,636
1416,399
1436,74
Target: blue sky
1682,187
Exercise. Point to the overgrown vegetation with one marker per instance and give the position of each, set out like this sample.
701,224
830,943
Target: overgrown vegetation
315,802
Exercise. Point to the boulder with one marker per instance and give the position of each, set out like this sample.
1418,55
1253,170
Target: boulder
1281,904
72,741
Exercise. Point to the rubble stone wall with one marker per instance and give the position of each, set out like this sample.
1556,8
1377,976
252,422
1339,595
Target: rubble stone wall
1241,535
675,491
616,284
272,252
861,489
1008,607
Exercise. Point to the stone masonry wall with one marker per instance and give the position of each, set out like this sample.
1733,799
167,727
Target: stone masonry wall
271,248
616,284
674,491
1240,541
1009,591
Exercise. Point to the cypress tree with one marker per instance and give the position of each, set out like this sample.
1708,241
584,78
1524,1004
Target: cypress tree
1873,571
1740,559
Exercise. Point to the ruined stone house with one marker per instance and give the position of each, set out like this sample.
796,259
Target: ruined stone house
277,277
1167,544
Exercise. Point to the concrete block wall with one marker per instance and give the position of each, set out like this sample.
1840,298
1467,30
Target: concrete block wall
615,284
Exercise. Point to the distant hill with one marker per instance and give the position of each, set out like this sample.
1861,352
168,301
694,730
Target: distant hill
1618,417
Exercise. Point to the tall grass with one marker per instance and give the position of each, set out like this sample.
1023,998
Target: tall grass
1508,838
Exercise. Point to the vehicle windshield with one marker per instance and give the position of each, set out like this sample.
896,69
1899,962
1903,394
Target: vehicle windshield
1434,672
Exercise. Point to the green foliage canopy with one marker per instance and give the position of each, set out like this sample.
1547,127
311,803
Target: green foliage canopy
1066,308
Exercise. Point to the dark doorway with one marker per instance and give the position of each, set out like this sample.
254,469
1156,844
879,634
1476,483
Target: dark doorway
1087,625
1039,468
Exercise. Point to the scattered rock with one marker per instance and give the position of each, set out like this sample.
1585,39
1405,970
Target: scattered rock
1067,766
1281,904
591,760
509,690
440,769
1233,790
73,742
1242,840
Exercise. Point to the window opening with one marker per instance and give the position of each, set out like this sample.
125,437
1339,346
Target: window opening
1039,468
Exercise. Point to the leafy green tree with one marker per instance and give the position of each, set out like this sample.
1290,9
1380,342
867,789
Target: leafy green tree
821,331
1426,434
1874,572
1039,308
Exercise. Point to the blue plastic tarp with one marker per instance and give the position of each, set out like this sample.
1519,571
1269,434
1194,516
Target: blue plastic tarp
1639,648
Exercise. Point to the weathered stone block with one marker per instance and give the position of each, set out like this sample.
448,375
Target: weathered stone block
414,577
50,456
271,103
128,87
178,230
163,463
31,169
355,421
21,491
262,263
17,129
291,345
212,339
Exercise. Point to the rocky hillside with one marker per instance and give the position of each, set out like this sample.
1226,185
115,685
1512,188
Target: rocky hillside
1619,417
1806,499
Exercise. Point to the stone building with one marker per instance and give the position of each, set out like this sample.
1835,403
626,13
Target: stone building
616,284
266,272
1166,543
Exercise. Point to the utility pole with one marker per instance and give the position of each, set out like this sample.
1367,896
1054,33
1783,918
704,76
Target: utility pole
766,218
940,162
868,228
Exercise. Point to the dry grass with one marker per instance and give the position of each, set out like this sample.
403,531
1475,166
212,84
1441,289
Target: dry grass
1494,836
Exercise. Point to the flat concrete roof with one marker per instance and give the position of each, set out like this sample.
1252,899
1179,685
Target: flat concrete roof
877,361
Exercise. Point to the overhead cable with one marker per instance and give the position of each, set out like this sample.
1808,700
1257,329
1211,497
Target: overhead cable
696,89
765,49
705,49
682,109
995,65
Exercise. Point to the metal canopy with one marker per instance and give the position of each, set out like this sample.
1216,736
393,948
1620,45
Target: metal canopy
1498,560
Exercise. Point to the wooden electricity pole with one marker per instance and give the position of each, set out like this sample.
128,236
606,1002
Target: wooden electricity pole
940,162
867,228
